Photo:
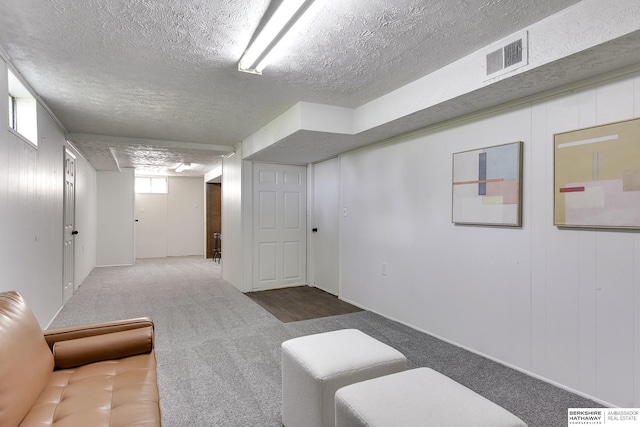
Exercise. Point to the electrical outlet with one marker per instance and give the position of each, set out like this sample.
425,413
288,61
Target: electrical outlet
384,269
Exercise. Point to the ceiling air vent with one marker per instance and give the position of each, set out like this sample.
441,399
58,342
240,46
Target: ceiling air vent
511,54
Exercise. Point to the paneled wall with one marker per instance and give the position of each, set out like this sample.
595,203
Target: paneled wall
232,221
562,304
31,206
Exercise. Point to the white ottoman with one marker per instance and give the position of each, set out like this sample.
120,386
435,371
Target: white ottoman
418,397
315,366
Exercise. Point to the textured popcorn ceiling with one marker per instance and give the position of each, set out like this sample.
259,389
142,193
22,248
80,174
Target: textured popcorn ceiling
166,70
146,156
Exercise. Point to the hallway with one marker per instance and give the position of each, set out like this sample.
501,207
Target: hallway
219,352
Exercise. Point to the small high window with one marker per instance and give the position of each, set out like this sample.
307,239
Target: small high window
12,113
149,184
22,110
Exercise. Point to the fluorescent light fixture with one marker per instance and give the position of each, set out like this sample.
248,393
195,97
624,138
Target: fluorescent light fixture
182,167
256,56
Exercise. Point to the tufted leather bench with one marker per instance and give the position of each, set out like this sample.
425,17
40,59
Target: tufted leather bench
100,375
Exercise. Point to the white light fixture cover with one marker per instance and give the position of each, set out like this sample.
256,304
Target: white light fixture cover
182,167
256,56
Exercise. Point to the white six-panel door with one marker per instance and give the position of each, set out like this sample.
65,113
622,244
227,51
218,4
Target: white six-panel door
69,224
279,226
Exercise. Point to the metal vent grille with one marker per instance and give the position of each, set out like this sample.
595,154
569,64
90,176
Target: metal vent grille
494,62
513,53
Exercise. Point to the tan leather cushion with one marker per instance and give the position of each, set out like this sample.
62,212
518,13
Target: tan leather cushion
81,351
81,331
114,393
26,363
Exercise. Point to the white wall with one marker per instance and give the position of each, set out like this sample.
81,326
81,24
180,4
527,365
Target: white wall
31,198
185,216
171,224
232,213
115,203
561,304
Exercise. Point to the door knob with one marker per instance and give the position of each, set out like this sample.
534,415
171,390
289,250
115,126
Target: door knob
74,232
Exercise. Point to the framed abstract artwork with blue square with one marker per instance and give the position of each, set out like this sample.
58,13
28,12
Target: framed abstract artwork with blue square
487,186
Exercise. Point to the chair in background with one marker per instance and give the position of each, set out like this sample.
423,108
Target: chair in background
217,248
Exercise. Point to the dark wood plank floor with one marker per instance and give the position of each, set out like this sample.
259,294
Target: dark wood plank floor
301,303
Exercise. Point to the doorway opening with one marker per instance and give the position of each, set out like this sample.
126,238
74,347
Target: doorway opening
214,216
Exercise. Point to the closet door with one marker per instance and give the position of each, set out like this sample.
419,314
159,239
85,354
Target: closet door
279,226
326,216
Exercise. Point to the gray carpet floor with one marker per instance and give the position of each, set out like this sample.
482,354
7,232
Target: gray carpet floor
219,352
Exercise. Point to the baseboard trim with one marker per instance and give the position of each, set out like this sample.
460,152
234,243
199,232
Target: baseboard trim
486,356
114,265
54,317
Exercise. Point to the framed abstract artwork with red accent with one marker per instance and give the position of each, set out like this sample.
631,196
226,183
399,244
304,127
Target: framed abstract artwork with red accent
487,186
597,176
